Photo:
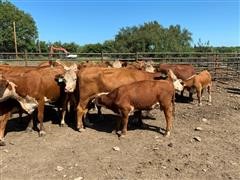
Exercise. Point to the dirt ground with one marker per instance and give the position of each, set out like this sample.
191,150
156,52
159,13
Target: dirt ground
143,154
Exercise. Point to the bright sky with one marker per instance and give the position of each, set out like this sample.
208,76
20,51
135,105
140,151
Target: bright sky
93,21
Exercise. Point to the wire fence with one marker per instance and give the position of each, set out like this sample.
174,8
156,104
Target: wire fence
221,65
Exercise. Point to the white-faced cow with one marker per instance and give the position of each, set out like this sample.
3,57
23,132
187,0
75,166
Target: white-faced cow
94,80
142,95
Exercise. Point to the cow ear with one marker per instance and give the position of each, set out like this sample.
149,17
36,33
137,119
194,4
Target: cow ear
61,63
171,74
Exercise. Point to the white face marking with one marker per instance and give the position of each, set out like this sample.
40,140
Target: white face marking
117,64
70,77
177,85
150,68
8,93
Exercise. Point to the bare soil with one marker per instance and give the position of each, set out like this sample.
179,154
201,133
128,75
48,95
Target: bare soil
143,154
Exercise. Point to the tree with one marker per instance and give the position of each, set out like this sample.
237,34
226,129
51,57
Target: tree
152,37
26,29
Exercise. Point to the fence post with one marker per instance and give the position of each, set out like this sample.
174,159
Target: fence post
25,58
136,56
101,56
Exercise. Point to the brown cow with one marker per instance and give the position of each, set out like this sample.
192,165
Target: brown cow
182,71
94,80
200,82
35,87
141,95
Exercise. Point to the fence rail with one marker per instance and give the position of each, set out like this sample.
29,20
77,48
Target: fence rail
221,65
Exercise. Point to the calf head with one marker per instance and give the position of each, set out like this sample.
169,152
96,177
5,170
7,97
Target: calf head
69,78
177,83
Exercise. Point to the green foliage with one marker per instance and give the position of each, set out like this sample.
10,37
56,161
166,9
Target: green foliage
26,29
92,48
152,37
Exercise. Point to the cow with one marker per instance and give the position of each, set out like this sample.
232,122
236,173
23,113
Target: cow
200,82
94,80
6,109
141,95
182,71
35,87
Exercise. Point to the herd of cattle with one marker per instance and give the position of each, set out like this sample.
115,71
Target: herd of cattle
119,86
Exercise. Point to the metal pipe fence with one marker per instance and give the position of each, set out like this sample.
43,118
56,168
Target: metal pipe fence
221,65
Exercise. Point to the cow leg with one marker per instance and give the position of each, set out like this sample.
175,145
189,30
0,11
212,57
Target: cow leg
125,115
199,96
80,115
118,125
209,94
168,112
65,104
63,118
3,121
40,115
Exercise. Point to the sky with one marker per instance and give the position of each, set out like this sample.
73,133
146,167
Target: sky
95,21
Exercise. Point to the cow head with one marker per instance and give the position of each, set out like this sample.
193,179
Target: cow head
177,83
69,78
6,89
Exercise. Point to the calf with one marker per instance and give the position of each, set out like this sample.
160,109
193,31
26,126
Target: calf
200,82
141,95
182,71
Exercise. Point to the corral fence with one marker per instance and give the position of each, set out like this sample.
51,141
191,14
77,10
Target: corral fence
221,65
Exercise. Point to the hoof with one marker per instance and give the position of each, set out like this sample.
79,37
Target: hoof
81,129
200,104
122,135
62,124
167,134
144,126
42,133
115,132
2,143
29,129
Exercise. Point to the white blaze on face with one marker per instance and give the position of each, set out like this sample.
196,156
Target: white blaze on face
117,64
176,82
70,77
8,92
177,85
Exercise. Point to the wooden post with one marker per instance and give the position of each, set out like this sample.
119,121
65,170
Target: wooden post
25,58
102,57
136,56
15,39
39,47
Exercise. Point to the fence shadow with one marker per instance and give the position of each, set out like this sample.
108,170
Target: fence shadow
233,90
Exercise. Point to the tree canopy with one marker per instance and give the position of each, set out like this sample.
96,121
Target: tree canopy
152,37
26,29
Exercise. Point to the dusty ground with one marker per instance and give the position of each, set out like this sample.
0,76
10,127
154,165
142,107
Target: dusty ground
144,154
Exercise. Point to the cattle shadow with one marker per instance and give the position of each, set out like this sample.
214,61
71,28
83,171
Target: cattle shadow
233,90
182,99
108,123
17,124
